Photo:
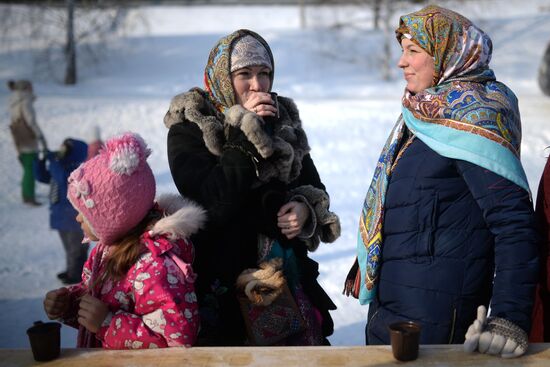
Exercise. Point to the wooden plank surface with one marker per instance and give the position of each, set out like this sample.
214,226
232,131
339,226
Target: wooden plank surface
379,356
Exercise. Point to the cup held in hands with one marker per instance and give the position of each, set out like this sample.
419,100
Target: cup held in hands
275,103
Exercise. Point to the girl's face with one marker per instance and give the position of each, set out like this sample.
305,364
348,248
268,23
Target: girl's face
248,80
86,228
418,66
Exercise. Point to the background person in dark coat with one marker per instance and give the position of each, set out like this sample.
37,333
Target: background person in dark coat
54,169
254,175
447,223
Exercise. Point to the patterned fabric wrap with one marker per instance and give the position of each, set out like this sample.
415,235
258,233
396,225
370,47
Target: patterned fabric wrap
217,73
248,51
369,240
273,324
467,115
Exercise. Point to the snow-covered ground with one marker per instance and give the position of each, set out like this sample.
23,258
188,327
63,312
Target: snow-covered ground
334,77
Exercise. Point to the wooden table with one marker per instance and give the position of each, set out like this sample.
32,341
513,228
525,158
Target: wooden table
433,355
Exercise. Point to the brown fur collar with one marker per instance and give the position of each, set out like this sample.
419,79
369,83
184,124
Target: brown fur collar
282,152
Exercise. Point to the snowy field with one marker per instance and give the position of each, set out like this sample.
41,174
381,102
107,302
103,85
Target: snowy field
332,73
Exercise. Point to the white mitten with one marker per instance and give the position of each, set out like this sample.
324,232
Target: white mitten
475,330
496,336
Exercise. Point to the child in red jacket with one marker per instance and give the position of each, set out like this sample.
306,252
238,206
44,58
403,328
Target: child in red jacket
137,286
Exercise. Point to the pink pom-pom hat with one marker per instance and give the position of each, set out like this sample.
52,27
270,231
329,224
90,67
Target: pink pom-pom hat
114,190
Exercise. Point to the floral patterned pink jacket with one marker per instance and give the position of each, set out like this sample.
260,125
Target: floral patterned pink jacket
154,305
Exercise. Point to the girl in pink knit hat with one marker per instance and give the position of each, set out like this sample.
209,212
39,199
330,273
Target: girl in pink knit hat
137,286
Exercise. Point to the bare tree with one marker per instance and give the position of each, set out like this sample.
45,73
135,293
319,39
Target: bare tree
357,23
302,14
376,13
544,72
56,32
370,21
70,48
388,39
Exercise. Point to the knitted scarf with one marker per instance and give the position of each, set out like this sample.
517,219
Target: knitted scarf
466,115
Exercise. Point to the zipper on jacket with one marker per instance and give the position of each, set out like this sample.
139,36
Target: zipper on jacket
369,322
453,324
433,224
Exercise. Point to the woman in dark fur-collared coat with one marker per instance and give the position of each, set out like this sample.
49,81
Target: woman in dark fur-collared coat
251,169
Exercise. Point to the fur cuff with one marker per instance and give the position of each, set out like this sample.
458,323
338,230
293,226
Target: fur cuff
176,110
328,223
251,126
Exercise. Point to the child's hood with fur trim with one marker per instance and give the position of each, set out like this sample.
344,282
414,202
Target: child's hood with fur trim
182,219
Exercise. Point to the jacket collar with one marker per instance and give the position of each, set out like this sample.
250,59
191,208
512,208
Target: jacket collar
287,145
182,219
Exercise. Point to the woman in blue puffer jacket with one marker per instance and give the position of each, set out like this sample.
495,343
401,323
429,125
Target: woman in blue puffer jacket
447,226
54,169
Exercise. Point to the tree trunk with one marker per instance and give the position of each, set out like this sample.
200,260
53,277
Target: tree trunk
70,49
302,15
388,38
544,72
376,11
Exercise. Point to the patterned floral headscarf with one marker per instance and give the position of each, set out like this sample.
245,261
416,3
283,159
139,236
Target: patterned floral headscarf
456,44
466,115
248,51
466,90
217,73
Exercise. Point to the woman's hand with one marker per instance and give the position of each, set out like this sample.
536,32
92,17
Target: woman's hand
92,313
261,104
291,218
56,303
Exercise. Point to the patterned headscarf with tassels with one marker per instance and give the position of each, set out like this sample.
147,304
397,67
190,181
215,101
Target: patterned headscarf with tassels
467,115
217,73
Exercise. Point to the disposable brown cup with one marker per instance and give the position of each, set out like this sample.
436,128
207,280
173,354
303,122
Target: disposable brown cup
276,103
45,340
405,336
